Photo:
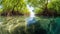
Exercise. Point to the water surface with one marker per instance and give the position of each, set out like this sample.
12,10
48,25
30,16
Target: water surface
39,24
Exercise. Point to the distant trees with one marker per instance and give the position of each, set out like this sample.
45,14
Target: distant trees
41,4
14,6
46,7
41,7
54,5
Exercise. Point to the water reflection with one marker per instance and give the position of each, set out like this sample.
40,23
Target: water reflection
35,25
44,25
30,21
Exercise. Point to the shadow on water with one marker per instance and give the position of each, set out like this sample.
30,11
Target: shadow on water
34,27
44,26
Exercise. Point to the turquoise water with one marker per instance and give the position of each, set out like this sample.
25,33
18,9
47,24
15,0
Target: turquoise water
49,25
